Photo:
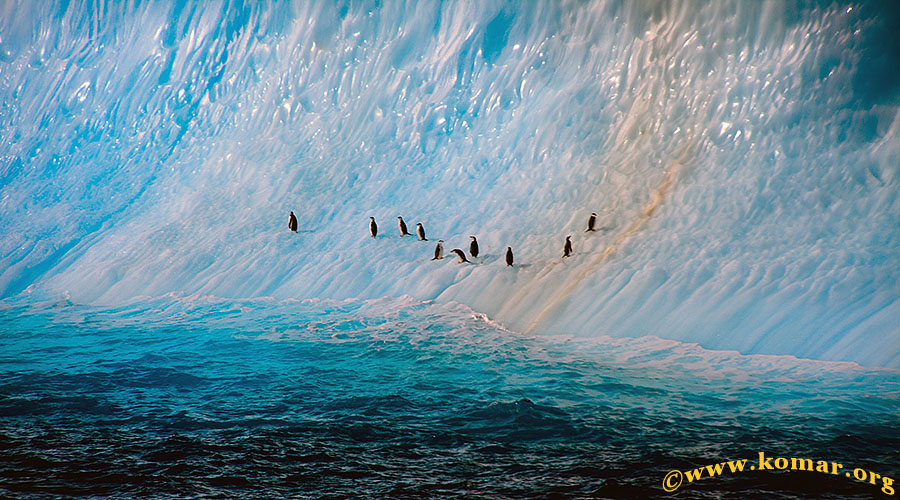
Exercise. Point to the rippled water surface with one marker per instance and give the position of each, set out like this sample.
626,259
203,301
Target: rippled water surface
208,398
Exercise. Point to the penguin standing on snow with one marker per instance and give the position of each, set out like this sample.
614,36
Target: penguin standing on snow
591,221
402,225
473,247
567,249
439,250
373,228
459,253
292,222
509,256
420,230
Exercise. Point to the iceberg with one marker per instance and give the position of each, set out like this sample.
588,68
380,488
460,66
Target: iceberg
741,158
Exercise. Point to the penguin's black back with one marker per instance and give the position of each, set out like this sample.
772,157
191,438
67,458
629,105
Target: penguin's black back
459,253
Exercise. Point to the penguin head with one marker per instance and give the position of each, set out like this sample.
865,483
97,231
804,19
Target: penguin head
373,218
594,214
401,218
440,241
472,237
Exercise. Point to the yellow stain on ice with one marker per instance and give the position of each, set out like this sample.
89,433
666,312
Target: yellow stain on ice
656,200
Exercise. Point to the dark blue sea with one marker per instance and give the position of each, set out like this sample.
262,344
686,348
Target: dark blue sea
198,397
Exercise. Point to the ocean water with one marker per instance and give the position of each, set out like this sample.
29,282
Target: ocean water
164,335
200,397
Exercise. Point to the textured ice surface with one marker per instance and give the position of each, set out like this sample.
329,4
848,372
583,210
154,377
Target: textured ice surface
742,158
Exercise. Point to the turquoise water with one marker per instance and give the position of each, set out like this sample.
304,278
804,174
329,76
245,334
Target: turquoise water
198,397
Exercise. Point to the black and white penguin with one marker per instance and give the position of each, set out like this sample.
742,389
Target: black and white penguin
439,250
373,228
402,225
292,222
591,221
473,247
567,249
509,256
420,231
459,253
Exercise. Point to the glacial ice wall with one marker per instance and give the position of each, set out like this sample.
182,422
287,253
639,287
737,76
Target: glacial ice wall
742,158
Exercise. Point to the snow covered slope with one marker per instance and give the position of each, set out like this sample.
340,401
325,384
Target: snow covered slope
742,158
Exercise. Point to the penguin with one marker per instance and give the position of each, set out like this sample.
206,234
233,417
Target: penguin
459,253
591,221
402,225
473,247
567,249
420,230
509,256
292,222
373,228
439,250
